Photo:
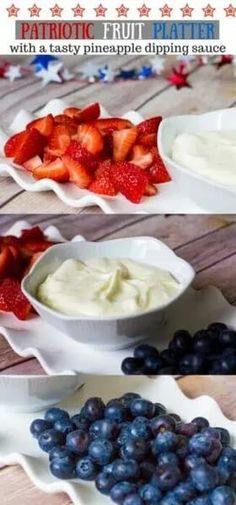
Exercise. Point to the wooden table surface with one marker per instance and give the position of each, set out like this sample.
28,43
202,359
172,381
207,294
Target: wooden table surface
211,89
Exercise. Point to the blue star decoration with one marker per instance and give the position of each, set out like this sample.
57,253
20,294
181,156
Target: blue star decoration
127,74
145,72
42,61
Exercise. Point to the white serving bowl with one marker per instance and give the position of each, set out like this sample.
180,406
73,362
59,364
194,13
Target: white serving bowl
211,196
107,332
30,393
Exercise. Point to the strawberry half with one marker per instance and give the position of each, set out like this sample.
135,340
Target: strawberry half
78,173
158,172
113,123
34,233
12,299
44,125
32,145
13,144
150,190
149,125
90,113
130,180
55,170
123,141
102,184
149,140
33,163
59,140
90,138
6,261
82,155
62,119
73,113
141,156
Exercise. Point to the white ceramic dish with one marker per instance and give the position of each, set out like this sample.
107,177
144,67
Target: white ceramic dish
31,393
18,447
107,332
168,200
210,195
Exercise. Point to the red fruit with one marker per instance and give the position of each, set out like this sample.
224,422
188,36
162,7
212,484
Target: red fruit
73,113
13,300
48,157
6,261
102,183
90,138
130,180
55,170
62,119
113,123
141,156
90,113
44,125
149,140
78,173
150,190
123,141
35,246
13,144
82,155
158,172
33,163
149,126
59,140
34,233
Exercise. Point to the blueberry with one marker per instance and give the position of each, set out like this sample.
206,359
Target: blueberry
104,428
152,365
182,447
101,451
86,469
80,422
50,439
200,422
215,452
168,370
78,441
150,494
134,449
133,499
38,426
192,460
162,423
55,414
200,444
64,425
144,351
94,409
120,490
223,495
127,398
224,436
219,327
116,411
63,468
181,343
141,407
228,459
191,364
215,367
167,458
187,429
204,477
132,366
140,428
128,469
160,409
228,364
105,482
169,357
202,344
170,499
184,491
167,476
146,469
227,338
124,435
201,500
164,442
60,452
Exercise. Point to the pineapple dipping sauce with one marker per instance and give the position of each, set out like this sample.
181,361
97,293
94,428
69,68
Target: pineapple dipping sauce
211,154
106,287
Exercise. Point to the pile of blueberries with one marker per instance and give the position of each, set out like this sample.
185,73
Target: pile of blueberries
138,454
208,351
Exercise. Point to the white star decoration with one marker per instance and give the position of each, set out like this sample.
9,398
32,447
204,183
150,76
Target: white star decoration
158,64
108,74
50,74
13,72
89,71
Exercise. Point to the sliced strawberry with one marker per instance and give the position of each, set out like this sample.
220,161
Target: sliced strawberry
158,172
104,168
33,163
55,170
73,113
141,156
13,300
35,246
113,123
62,119
123,141
150,190
149,140
34,233
59,140
130,180
90,138
78,173
82,155
44,125
6,261
102,184
48,157
13,144
32,145
149,125
90,113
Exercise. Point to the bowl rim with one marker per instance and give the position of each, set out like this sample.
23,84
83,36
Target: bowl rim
65,317
177,166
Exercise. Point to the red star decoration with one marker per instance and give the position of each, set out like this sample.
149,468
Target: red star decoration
230,11
100,11
144,11
179,77
78,11
12,11
187,11
56,11
122,11
225,59
208,11
166,11
34,11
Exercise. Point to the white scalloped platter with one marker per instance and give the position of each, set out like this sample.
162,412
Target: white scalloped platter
168,200
17,445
